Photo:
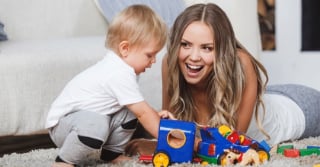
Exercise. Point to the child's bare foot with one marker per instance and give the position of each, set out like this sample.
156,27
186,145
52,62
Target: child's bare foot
61,164
121,158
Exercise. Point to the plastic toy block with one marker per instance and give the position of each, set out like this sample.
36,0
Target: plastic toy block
233,137
291,153
318,147
146,158
309,151
224,130
265,145
283,147
245,141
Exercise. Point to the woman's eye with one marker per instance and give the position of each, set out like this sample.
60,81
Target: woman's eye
185,45
208,48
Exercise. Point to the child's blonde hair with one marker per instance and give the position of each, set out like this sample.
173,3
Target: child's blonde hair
137,24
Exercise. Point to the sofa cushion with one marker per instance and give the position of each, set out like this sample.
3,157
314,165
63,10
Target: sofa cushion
33,73
3,35
51,19
167,9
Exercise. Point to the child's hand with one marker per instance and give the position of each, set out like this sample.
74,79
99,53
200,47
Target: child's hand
166,114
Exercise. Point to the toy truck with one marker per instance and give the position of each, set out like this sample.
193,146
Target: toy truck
220,146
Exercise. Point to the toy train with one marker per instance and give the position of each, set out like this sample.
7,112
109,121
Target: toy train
220,146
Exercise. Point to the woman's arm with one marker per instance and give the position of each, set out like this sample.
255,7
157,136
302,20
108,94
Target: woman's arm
249,96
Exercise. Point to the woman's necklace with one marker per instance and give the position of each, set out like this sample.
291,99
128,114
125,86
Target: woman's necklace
201,125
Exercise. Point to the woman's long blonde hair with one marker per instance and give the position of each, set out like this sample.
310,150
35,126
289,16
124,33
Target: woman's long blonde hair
226,83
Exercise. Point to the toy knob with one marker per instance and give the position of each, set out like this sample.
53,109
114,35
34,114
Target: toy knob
223,130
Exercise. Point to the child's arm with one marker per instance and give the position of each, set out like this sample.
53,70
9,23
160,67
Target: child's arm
147,116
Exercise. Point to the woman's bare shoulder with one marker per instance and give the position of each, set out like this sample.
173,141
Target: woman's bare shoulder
245,57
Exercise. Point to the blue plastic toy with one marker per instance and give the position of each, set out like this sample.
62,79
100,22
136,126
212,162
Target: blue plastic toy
218,146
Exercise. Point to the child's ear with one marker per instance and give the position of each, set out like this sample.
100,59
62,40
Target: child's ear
124,48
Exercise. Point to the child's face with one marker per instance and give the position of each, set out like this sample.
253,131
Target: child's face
142,57
196,54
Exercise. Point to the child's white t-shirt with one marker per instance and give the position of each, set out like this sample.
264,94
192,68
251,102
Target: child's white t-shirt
105,88
284,120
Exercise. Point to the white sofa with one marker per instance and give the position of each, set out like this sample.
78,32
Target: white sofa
52,40
49,42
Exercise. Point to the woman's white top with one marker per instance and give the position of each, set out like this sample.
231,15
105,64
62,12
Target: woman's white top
284,120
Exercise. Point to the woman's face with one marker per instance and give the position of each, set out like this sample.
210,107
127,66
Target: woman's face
196,53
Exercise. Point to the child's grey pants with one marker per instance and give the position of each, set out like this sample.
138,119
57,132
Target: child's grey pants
80,133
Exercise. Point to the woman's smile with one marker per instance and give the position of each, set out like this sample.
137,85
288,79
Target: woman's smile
193,70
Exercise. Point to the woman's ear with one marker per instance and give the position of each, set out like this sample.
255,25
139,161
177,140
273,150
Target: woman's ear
124,48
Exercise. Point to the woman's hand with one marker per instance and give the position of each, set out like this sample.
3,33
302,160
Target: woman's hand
141,147
164,114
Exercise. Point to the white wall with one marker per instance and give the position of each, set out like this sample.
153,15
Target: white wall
244,19
288,64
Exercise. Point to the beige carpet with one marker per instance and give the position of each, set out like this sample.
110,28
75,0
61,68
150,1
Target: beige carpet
45,157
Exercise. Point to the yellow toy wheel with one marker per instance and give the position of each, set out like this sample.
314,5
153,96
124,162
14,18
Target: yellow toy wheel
263,156
160,159
222,160
204,163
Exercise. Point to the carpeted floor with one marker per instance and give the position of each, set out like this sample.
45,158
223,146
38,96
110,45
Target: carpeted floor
45,157
24,143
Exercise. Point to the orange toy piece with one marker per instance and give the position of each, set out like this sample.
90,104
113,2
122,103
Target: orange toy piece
291,153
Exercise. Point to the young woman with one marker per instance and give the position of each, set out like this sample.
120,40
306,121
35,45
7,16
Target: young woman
209,78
